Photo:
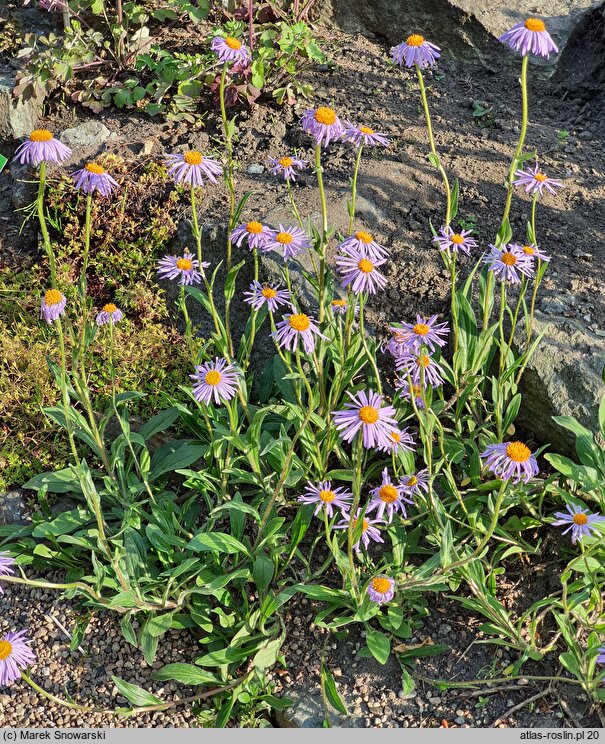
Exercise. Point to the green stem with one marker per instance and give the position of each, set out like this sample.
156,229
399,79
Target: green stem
227,132
324,232
65,393
354,189
197,234
43,226
188,334
358,449
362,334
82,283
454,303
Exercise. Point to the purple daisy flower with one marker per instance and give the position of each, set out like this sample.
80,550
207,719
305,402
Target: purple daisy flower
6,567
381,589
415,365
512,460
403,387
192,167
267,294
415,50
109,314
530,36
363,242
286,166
340,307
579,521
295,327
365,412
601,656
53,305
184,268
368,531
360,272
256,234
229,49
41,146
508,262
92,177
217,379
448,240
414,483
15,655
52,5
326,497
399,439
424,332
293,240
322,124
536,181
388,497
534,252
362,135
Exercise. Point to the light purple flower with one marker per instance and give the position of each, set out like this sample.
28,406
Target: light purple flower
530,36
326,497
292,239
414,483
601,656
41,146
360,272
368,531
381,589
286,166
424,332
6,567
297,327
52,5
192,168
362,135
421,368
366,413
508,261
256,234
53,305
92,177
399,439
15,655
579,521
230,49
340,307
536,181
216,380
403,387
267,294
363,242
322,124
388,497
184,268
512,460
448,240
534,252
415,50
109,314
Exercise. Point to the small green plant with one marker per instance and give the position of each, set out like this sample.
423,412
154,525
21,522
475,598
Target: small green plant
562,136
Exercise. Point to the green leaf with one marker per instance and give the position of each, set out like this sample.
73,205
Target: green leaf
218,542
262,572
266,656
230,281
64,524
379,645
159,624
186,674
174,456
160,422
136,695
329,685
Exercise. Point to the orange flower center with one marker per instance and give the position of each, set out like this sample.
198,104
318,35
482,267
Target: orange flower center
368,414
415,40
416,390
327,496
193,157
457,239
325,115
6,649
339,303
411,481
366,130
52,297
423,361
580,519
184,264
365,237
509,259
109,308
518,451
534,24
94,168
300,322
529,250
268,292
233,43
254,227
213,377
365,266
388,494
41,135
381,585
421,329
394,436
285,238
541,177
364,526
285,162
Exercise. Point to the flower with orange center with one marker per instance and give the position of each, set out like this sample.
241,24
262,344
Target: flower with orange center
358,270
285,162
415,51
530,36
452,242
230,50
363,245
511,461
184,264
193,157
53,305
213,377
93,177
366,413
266,294
192,168
414,483
415,40
216,381
326,498
509,262
15,655
299,322
233,43
41,147
185,268
5,649
95,168
363,136
292,240
325,115
581,523
297,328
369,532
254,233
41,135
109,314
322,124
534,24
286,166
381,589
536,181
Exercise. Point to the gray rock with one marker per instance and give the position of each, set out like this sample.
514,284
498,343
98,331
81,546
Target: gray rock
256,169
308,712
12,507
91,134
17,116
271,266
24,188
